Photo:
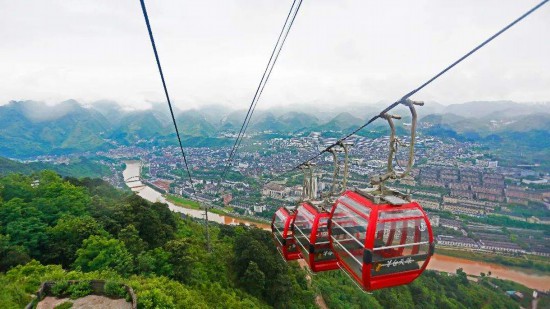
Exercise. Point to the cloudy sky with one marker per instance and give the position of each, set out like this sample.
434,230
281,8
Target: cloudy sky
214,52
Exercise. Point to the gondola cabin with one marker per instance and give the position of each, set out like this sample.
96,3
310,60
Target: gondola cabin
283,234
381,242
312,238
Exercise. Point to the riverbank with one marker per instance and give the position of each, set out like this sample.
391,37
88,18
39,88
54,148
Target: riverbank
527,263
190,204
450,264
438,262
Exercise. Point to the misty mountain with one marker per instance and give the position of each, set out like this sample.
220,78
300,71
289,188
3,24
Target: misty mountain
27,128
489,124
497,109
342,121
194,123
139,125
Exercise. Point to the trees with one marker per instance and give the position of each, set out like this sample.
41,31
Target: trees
99,252
130,237
155,262
181,259
253,279
67,236
11,255
30,233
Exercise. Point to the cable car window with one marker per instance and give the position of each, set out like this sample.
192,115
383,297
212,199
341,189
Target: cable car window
322,231
400,246
400,214
348,233
323,251
279,224
302,229
358,206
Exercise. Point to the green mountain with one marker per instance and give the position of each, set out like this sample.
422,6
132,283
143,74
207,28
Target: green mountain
77,167
139,125
341,122
193,123
296,121
487,125
30,128
64,129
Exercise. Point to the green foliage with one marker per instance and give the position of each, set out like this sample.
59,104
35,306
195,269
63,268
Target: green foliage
64,305
115,289
431,290
11,255
156,261
253,280
130,237
180,201
79,289
100,252
67,236
154,221
60,288
182,258
281,285
155,298
97,232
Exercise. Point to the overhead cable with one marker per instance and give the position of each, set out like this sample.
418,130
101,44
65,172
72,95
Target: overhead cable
144,9
414,91
293,12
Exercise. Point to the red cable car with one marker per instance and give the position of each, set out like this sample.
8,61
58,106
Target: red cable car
312,237
283,234
381,241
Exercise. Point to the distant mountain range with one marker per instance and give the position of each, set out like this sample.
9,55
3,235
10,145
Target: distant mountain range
29,128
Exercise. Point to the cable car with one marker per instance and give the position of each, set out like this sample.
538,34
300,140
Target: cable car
380,240
312,237
283,234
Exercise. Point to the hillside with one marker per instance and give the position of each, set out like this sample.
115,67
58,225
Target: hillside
85,229
66,128
77,167
31,128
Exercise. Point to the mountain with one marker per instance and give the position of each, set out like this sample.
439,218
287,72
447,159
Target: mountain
29,128
342,121
295,121
78,167
480,109
266,122
194,123
139,125
489,124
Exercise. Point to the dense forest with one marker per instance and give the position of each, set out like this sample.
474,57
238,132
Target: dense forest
54,228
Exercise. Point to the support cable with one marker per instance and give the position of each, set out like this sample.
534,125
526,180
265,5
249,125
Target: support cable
144,9
414,91
263,81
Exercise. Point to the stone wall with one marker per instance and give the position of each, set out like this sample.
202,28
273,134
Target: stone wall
98,287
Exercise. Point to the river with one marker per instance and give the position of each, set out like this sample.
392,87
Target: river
438,262
148,193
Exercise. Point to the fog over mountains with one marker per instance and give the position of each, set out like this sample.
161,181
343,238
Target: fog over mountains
29,128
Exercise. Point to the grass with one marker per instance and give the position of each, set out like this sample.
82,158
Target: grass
526,262
183,202
187,203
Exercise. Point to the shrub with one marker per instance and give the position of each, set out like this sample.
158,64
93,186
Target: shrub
60,288
64,305
154,298
115,289
80,289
